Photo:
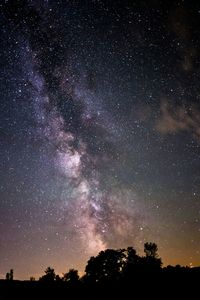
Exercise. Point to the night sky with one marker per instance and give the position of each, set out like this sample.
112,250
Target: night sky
99,131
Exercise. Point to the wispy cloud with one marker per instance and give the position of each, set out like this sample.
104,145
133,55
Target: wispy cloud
181,118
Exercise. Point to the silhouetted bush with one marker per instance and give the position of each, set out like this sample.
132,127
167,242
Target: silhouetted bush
71,277
49,275
9,275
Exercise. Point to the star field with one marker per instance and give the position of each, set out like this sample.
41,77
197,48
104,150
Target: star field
99,131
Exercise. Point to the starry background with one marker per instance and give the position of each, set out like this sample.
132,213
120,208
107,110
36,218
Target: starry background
99,131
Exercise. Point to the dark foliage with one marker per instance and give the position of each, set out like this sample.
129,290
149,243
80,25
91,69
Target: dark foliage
71,277
119,271
9,275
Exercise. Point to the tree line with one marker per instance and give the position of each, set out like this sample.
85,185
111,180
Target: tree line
111,266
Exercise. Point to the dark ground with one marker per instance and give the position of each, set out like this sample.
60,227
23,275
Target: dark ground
164,286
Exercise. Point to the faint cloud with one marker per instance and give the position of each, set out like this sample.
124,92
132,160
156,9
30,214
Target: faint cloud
181,118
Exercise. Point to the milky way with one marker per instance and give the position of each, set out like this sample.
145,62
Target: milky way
99,131
81,149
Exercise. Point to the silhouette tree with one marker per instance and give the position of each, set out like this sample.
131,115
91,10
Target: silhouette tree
71,277
49,275
151,250
106,266
151,262
132,257
9,275
132,263
58,278
32,278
